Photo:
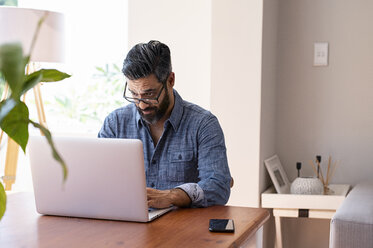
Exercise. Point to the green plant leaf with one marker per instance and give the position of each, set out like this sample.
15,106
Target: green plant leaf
55,154
60,101
15,124
5,107
26,59
116,68
30,81
53,75
43,75
2,200
12,66
100,69
48,75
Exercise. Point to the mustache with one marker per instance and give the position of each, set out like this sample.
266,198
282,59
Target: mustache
147,109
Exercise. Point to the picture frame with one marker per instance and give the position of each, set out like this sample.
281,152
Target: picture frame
277,174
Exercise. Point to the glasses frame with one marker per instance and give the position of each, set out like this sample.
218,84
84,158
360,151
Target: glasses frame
144,100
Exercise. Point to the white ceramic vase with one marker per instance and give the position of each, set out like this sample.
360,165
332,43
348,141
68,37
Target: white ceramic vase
307,186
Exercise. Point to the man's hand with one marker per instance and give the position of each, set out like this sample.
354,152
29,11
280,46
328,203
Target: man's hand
166,198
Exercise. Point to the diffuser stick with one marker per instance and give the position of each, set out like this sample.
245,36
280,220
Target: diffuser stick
313,167
334,167
322,177
327,173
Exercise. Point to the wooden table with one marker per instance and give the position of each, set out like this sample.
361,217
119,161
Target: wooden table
22,226
303,206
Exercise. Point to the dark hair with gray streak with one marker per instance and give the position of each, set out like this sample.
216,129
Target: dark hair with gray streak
149,58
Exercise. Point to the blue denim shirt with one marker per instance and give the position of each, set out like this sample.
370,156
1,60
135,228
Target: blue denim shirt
190,155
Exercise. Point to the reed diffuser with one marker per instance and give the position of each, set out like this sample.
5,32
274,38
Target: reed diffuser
319,173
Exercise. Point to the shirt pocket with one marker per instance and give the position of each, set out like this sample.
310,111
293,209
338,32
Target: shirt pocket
181,165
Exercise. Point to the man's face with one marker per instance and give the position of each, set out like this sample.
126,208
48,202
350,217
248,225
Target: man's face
149,87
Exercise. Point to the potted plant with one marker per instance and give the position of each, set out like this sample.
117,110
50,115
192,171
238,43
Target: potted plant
14,114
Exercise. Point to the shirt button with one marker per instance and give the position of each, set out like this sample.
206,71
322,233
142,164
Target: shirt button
154,161
152,185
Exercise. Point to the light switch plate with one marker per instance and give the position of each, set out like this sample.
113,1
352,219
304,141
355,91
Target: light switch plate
321,52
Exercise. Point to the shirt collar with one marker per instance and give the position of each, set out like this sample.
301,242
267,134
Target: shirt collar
175,117
177,111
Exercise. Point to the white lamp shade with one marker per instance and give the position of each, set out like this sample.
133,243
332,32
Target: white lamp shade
19,25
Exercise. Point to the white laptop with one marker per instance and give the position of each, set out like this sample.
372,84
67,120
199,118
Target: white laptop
106,179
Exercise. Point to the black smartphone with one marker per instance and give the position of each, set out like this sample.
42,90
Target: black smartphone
221,225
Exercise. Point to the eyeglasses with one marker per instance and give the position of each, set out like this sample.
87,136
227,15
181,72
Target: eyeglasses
149,98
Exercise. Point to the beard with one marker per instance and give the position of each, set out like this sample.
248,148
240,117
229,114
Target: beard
157,112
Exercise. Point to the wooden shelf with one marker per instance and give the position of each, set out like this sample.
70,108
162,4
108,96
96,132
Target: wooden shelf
270,199
309,206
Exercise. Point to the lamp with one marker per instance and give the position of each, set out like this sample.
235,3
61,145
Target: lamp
19,25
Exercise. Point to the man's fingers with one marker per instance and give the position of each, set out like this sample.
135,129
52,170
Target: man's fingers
158,198
154,204
151,193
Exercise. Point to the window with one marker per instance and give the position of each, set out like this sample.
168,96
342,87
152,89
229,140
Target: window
96,43
95,47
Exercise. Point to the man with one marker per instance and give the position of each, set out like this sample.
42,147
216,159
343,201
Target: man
184,150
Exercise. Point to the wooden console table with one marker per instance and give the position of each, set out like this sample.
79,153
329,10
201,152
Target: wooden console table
303,206
22,226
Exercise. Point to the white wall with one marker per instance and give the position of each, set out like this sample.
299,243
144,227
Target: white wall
268,102
235,90
185,27
268,83
324,110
